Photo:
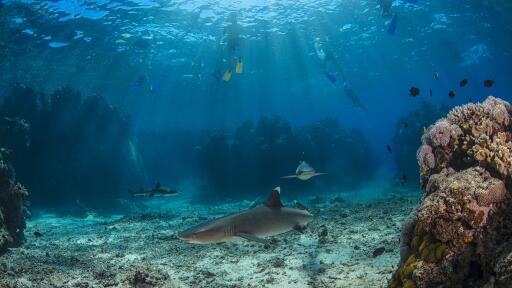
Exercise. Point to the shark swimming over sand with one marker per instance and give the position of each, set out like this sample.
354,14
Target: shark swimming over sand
253,224
157,191
304,172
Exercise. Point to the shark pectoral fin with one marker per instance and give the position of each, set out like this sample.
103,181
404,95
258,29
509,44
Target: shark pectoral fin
299,228
251,237
318,174
288,177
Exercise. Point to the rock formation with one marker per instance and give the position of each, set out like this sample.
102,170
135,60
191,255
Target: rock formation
461,234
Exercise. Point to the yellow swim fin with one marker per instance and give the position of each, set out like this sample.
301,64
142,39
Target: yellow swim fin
239,66
227,75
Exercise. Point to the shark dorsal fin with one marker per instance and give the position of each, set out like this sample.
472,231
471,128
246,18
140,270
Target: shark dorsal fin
274,200
157,185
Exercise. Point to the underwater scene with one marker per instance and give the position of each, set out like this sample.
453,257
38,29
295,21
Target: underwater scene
255,143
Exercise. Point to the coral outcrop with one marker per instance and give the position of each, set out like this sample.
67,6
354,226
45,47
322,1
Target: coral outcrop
460,234
12,209
259,153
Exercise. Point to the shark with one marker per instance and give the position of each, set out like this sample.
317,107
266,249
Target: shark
270,219
157,191
304,172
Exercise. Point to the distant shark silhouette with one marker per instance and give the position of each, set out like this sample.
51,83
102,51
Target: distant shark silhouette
157,191
304,172
253,224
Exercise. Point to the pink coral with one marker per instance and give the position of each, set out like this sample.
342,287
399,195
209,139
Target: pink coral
426,157
442,132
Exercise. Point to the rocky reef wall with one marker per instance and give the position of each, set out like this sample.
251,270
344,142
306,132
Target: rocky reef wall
12,205
461,234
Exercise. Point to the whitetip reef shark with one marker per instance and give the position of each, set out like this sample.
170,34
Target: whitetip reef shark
157,191
304,172
253,224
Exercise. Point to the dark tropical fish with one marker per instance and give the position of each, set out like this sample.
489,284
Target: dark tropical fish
38,234
392,25
452,94
158,191
436,75
403,179
390,150
463,83
406,125
414,91
430,92
379,251
253,224
488,83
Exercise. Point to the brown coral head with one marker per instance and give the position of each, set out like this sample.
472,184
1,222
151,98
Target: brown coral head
496,193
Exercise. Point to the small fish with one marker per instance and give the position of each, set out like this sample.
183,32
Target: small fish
37,234
452,94
488,83
414,91
392,25
430,92
436,75
390,150
403,179
425,130
406,125
379,251
463,83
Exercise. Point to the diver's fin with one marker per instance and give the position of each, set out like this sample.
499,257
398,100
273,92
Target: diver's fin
288,177
274,199
239,66
330,77
227,75
251,237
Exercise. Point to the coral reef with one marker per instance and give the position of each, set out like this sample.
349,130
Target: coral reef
463,227
259,154
12,206
407,138
64,141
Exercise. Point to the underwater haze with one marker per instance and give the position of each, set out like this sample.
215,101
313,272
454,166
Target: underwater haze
126,123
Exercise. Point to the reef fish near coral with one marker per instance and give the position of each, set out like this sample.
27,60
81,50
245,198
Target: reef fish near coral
268,220
304,172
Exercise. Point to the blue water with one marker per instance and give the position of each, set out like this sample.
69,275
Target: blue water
216,101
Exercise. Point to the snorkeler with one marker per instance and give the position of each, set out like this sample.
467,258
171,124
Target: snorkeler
231,38
328,62
352,95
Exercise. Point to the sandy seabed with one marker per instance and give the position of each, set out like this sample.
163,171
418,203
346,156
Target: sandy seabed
140,249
